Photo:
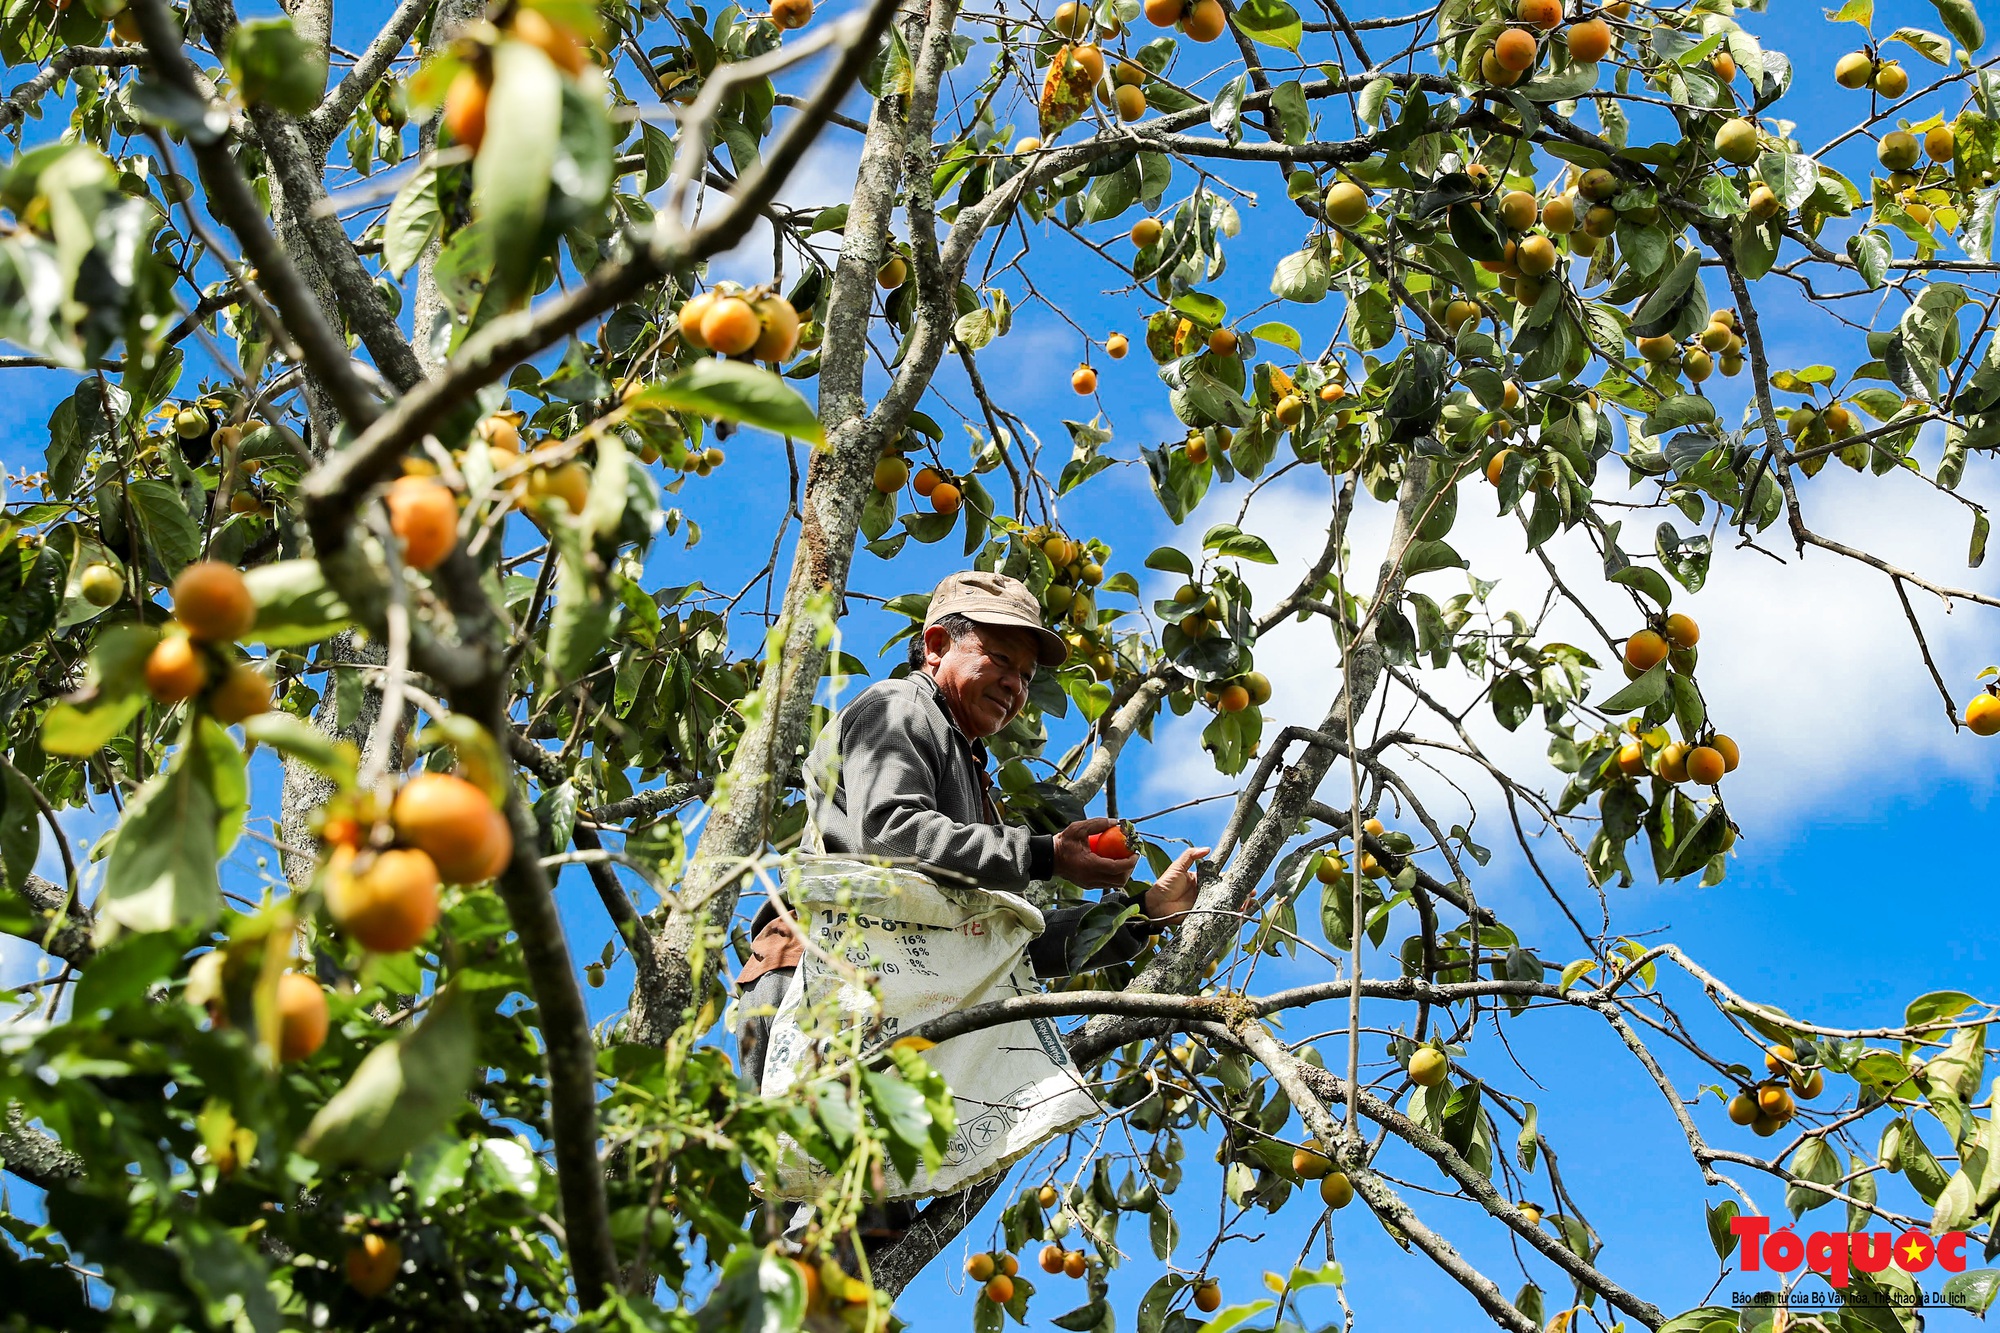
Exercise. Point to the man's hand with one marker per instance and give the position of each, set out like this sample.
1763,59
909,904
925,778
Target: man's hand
1169,900
1079,865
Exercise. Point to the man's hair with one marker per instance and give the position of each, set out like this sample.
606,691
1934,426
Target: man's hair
956,625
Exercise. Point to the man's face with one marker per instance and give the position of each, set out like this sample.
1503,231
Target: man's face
983,676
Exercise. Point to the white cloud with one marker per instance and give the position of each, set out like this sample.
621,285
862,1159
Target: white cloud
1807,662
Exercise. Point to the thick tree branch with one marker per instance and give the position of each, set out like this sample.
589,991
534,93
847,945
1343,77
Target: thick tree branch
296,172
646,804
64,925
1133,714
1309,1097
231,200
625,918
837,483
1322,1087
513,338
570,1049
34,1156
326,121
25,96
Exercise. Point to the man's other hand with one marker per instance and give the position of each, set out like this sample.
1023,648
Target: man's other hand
1079,865
1169,900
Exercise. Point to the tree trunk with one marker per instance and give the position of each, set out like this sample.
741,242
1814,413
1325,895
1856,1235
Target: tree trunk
427,304
838,482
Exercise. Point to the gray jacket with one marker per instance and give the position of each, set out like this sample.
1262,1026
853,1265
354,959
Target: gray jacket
893,775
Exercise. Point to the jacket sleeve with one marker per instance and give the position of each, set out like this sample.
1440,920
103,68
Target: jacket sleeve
1048,952
889,776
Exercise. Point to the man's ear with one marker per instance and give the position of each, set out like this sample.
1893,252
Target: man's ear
937,642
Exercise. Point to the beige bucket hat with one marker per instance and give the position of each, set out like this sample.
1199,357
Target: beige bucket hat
995,599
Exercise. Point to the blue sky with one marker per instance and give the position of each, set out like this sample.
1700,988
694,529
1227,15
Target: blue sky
1857,884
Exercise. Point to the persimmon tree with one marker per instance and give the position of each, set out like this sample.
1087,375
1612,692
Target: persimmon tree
383,387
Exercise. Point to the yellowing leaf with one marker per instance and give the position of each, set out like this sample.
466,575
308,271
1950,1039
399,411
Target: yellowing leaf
1065,93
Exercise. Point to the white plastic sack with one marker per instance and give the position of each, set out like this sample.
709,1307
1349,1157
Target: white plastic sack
934,949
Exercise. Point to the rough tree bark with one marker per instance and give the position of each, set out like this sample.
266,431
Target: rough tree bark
837,484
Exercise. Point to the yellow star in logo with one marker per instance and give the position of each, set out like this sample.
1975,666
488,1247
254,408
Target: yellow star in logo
1914,1250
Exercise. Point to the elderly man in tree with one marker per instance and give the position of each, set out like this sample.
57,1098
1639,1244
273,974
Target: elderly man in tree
901,773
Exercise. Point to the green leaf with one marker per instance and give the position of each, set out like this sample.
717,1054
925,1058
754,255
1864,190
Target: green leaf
901,1110
975,328
1163,1232
404,1091
1921,1167
1528,1142
1792,176
122,973
1101,921
1230,540
762,1292
31,594
164,520
1720,1237
294,604
1961,20
1112,193
604,502
1860,1188
1659,311
1201,306
1373,97
1937,1007
162,871
1817,1164
1572,82
272,65
20,828
581,621
1302,277
1084,1317
1929,45
84,729
1282,334
1225,113
1170,560
1288,100
1975,1185
416,216
1513,699
732,391
1422,557
1641,693
1689,711
1974,1291
1683,409
512,174
1870,252
1647,581
1272,22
